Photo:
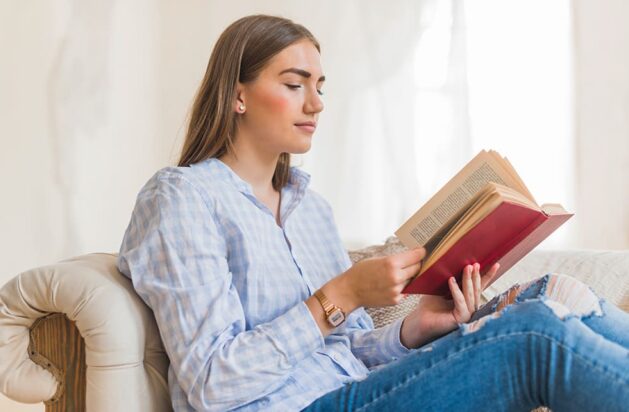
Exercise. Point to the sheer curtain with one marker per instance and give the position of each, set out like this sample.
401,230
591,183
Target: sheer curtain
428,85
415,90
520,79
77,100
378,152
418,88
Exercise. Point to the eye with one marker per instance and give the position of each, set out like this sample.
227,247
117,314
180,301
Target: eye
297,86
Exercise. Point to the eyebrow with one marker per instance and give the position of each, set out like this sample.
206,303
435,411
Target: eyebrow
301,73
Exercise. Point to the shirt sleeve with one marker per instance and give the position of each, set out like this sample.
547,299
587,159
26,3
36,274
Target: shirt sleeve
176,257
372,346
375,347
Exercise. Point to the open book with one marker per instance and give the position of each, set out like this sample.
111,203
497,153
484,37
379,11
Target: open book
484,214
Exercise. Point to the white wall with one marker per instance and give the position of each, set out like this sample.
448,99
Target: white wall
602,122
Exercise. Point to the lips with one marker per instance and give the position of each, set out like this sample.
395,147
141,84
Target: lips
308,127
312,124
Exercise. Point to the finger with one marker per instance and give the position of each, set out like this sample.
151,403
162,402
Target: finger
410,271
398,296
477,290
400,288
409,257
468,287
459,300
488,277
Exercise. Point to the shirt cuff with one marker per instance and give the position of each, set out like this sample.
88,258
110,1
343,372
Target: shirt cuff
392,344
298,322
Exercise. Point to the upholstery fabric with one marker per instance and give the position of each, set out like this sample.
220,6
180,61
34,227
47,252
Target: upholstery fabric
126,363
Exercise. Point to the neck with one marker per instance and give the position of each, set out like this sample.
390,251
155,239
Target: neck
252,165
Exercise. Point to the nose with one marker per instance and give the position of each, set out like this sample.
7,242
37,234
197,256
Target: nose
314,103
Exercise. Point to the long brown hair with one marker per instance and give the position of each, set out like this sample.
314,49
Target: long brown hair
240,53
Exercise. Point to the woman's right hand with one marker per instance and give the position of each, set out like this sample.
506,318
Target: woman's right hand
376,281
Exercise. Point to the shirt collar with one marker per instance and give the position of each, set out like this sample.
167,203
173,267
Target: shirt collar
298,179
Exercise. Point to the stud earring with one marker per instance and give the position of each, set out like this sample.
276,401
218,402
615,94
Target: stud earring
241,108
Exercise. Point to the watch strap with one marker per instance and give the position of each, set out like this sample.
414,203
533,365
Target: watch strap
328,306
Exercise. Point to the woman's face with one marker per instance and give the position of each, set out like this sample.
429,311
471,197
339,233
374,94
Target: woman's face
287,92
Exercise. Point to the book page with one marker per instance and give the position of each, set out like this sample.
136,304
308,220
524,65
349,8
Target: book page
554,209
446,205
525,191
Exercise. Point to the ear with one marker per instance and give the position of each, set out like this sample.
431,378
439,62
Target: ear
240,97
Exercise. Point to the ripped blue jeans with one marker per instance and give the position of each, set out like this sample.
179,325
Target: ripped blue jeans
550,342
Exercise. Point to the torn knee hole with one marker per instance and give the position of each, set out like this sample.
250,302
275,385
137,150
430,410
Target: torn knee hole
567,295
562,293
562,311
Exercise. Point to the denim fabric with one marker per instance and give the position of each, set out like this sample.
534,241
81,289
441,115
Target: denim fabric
524,356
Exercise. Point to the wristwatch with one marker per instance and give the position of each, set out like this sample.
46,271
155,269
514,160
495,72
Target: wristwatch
333,313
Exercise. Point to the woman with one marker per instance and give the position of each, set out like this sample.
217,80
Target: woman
258,304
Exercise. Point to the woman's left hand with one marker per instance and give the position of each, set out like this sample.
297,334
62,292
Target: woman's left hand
434,316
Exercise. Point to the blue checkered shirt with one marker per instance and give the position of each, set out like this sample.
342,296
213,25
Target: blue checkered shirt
227,286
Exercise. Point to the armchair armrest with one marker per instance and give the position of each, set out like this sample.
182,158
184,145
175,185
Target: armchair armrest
124,360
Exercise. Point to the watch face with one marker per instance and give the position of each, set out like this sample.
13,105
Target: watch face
336,317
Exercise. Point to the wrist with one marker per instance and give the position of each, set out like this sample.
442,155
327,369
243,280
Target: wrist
339,293
409,335
414,332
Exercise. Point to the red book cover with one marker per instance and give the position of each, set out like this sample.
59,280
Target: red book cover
505,235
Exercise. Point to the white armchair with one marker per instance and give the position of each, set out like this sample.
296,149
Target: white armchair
76,336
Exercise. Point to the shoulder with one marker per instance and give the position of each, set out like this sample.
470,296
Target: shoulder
174,182
300,181
317,200
172,195
319,209
173,201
